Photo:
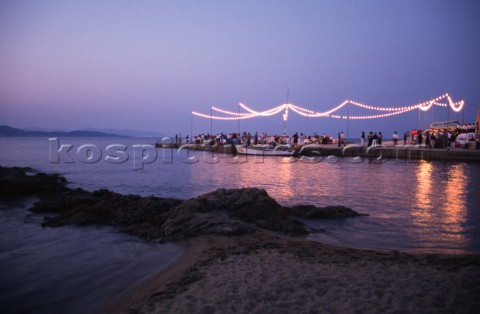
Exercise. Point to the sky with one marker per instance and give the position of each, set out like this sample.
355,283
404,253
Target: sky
146,65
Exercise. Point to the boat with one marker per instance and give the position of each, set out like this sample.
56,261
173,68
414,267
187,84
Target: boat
279,150
166,145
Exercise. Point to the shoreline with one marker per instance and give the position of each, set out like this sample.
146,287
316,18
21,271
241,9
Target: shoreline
239,258
270,273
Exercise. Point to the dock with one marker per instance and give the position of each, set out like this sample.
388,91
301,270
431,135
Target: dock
218,149
399,153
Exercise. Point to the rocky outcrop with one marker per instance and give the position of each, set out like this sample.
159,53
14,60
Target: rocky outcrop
18,181
229,212
224,212
327,212
141,216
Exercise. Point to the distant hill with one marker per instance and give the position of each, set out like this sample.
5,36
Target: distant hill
7,131
132,133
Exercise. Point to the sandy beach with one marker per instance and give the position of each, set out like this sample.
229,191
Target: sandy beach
269,273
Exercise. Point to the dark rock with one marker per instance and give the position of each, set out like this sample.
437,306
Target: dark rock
141,216
64,201
15,182
328,212
183,225
229,212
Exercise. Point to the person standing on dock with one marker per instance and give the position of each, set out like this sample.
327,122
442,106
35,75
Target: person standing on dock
362,139
375,139
395,138
444,139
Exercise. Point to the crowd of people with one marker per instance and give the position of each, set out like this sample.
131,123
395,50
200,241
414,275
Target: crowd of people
373,139
440,138
431,139
247,138
467,128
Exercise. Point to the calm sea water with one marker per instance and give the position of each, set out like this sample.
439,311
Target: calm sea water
70,269
415,206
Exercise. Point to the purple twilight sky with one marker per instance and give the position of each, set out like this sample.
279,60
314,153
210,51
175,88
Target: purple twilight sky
146,65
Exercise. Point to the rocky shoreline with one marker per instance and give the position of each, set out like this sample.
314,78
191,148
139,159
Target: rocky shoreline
221,212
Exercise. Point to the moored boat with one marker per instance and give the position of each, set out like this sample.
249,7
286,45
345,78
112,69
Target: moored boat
279,150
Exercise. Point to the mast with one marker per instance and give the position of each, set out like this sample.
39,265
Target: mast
285,115
477,123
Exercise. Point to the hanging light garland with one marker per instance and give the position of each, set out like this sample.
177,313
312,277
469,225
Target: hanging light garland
241,114
269,112
424,106
219,118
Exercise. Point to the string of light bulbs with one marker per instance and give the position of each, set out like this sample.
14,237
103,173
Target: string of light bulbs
391,111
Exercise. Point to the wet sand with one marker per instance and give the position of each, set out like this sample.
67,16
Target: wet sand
268,273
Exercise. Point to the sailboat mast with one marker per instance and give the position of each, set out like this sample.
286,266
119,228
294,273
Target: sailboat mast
285,115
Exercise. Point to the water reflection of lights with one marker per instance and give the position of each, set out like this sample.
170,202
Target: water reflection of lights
440,202
455,206
284,178
423,191
276,175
